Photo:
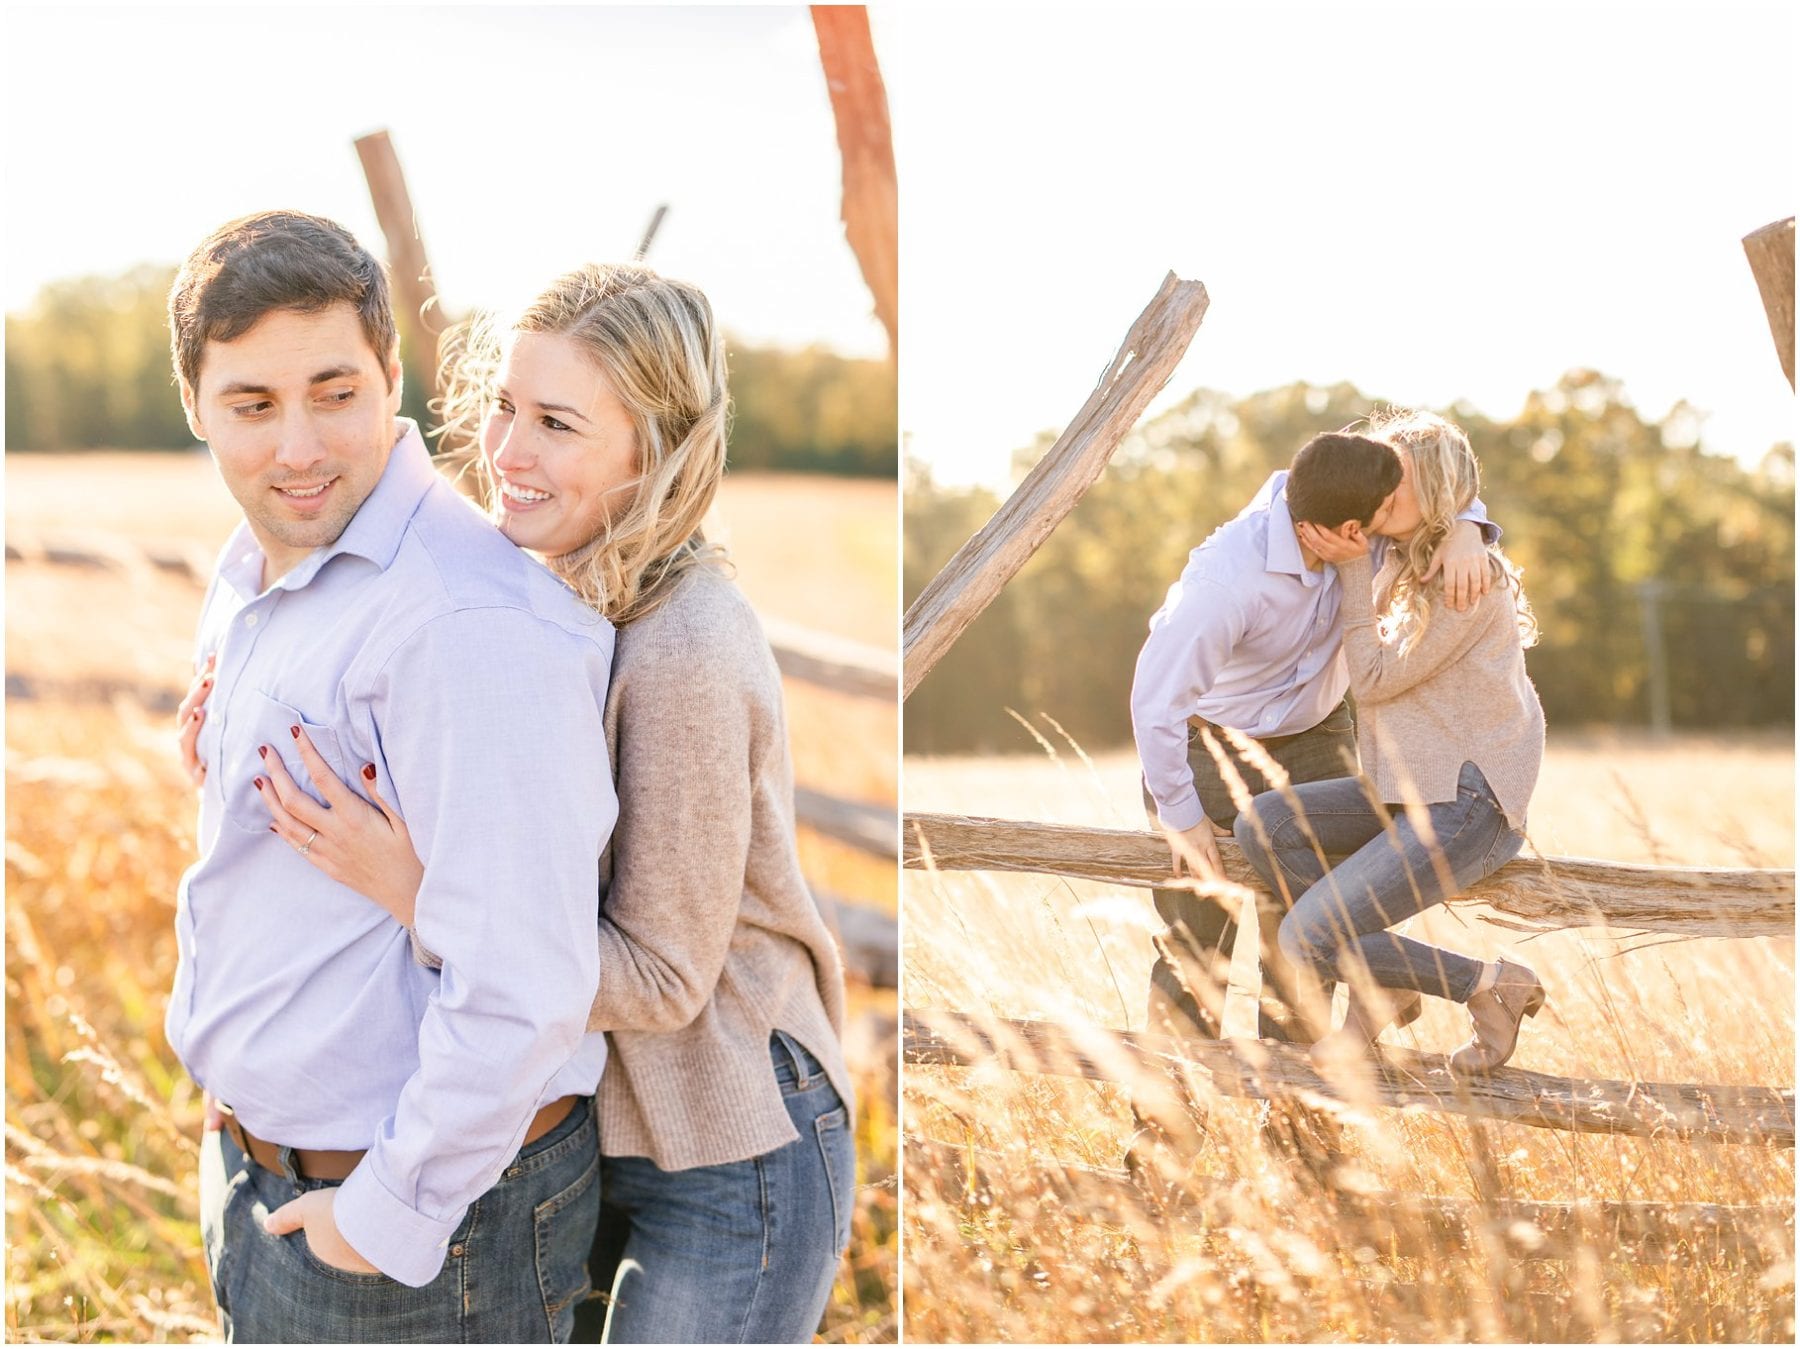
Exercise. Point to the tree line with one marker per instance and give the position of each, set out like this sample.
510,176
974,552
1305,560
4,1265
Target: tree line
87,367
1662,575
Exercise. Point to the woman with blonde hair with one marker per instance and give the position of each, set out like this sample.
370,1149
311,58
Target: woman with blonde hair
1450,735
597,425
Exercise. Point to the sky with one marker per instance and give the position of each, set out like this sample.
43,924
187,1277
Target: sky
1434,203
532,138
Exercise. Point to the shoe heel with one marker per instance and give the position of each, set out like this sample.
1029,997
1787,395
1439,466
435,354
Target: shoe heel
1411,1013
1536,1003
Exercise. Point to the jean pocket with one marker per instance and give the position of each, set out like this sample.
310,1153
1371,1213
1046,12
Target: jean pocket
1472,784
558,1140
297,1241
1507,845
797,1071
837,1151
562,1234
332,1272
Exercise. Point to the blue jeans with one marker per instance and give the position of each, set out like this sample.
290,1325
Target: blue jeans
741,1253
516,1268
1338,922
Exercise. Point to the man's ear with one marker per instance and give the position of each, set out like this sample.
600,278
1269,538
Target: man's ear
396,381
189,409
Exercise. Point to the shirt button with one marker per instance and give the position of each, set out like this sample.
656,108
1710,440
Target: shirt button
249,620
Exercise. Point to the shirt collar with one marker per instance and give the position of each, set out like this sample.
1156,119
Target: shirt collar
379,524
1281,550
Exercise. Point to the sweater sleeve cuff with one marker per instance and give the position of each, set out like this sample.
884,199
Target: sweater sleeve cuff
399,1241
1357,577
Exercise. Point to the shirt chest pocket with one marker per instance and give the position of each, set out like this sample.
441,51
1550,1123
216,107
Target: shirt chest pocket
258,721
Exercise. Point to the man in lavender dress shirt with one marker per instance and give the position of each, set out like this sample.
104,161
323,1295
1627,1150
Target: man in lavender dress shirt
1248,638
376,1106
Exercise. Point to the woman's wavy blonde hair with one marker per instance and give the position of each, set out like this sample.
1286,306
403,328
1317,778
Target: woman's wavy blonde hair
1445,478
655,341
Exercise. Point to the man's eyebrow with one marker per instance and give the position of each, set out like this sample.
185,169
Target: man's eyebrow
323,377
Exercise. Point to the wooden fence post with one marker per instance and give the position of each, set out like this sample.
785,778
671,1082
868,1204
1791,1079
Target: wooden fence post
1771,253
982,566
415,294
866,143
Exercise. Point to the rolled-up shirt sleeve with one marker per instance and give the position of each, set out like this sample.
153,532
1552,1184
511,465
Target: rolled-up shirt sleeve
1477,515
1191,639
507,792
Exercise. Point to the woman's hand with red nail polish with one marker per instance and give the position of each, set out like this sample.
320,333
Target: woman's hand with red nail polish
189,717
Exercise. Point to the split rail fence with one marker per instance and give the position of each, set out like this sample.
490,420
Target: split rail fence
1535,894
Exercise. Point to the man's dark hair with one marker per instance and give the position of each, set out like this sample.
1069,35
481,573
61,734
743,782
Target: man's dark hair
272,261
1338,477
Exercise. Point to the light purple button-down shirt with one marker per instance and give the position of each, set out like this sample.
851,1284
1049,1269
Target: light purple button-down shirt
426,644
1248,638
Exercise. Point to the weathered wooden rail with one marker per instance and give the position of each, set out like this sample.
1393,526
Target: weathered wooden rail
1540,893
1393,1223
1400,1080
981,568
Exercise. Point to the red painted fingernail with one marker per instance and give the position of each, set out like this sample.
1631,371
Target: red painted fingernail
369,771
257,783
263,750
294,731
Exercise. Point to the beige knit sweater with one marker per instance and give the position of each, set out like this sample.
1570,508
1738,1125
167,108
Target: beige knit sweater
709,938
1460,695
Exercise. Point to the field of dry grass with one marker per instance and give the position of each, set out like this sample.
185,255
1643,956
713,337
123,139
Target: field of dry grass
1002,1259
101,1122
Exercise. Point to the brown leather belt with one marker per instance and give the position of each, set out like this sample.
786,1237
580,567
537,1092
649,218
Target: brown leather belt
323,1164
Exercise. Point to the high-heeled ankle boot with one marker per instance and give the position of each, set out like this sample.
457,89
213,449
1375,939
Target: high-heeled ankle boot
1497,1013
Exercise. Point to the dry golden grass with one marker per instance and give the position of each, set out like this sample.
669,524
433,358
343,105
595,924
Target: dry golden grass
1008,1265
101,1192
